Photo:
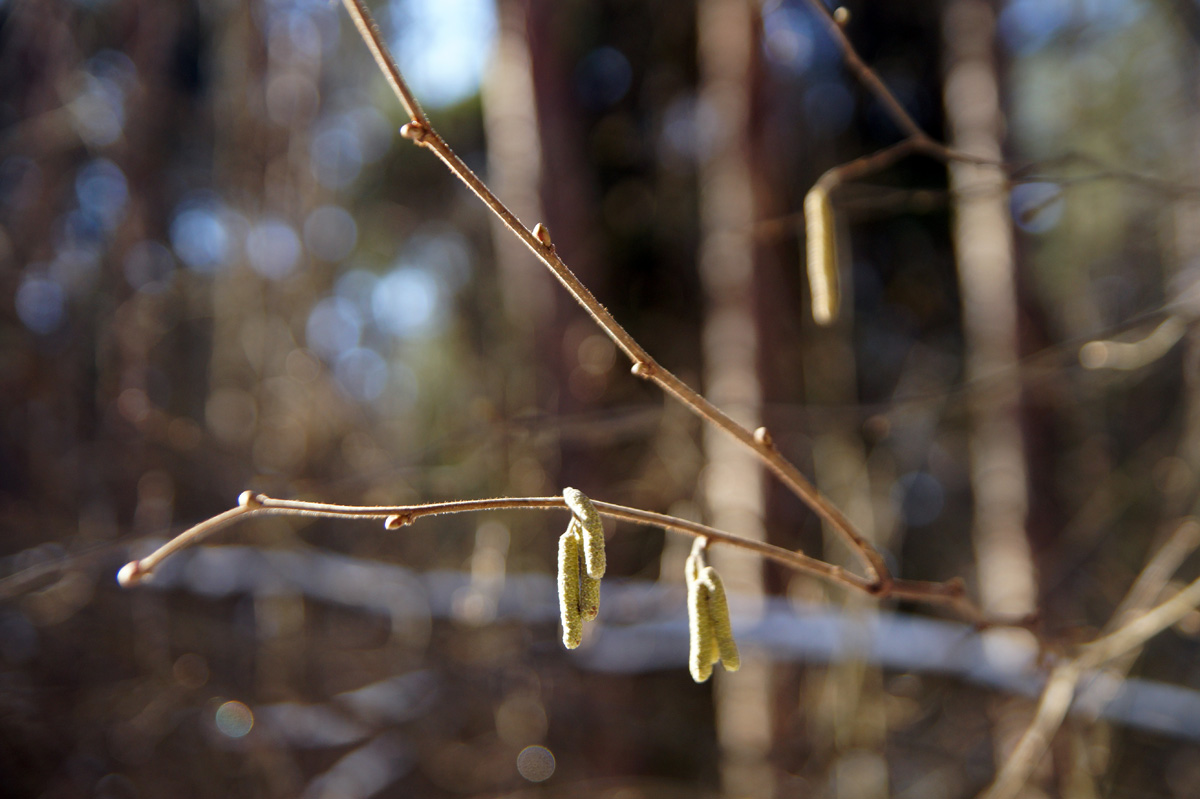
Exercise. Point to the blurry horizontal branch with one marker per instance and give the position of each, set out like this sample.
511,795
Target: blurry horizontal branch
950,594
644,628
1135,623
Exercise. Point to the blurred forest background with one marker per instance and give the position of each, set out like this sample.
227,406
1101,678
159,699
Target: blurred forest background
221,268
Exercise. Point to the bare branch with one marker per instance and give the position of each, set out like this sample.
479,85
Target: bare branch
950,594
1060,687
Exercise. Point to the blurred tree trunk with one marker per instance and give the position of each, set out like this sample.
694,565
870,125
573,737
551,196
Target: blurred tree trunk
733,478
526,342
983,242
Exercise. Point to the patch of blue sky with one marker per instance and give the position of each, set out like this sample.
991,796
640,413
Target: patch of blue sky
1026,26
442,46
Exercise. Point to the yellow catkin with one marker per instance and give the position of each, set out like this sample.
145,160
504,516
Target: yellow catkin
568,589
700,632
718,611
589,597
822,255
589,587
593,530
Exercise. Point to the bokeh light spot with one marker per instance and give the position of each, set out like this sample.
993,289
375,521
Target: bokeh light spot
234,719
603,77
444,253
536,763
1037,207
362,373
102,191
273,249
97,110
788,38
41,304
334,326
337,156
406,302
200,238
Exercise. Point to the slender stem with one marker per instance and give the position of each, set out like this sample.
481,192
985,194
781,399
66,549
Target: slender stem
135,571
915,139
383,57
866,75
867,164
950,594
1059,692
396,516
1051,711
1142,629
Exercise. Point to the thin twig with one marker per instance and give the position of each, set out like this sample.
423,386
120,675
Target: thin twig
866,76
383,57
1059,692
950,594
396,516
916,138
422,133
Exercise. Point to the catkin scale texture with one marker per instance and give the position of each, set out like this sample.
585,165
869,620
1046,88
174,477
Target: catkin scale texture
589,597
568,589
589,587
718,611
822,255
700,634
592,530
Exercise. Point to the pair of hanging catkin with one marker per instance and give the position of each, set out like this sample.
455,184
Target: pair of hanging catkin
579,588
710,633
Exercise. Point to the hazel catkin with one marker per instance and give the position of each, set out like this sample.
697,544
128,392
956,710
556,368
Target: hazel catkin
700,633
718,611
822,259
710,633
589,587
592,530
568,589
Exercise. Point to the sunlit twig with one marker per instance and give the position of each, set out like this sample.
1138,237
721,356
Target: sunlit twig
1060,686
